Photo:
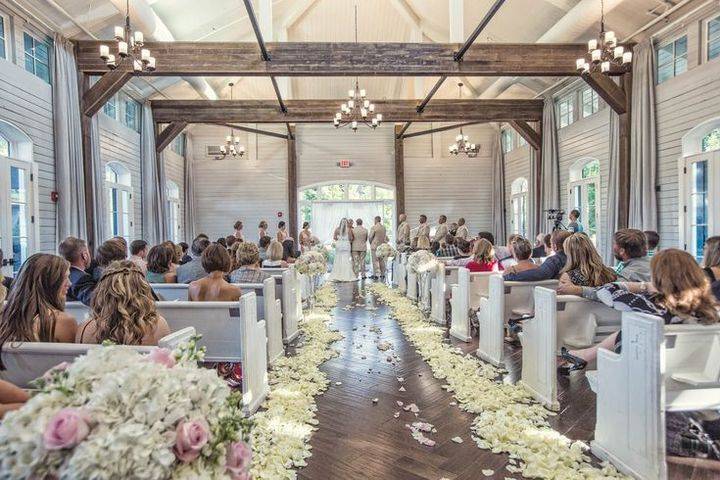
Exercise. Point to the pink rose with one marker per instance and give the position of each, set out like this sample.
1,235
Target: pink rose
66,429
163,356
191,438
237,460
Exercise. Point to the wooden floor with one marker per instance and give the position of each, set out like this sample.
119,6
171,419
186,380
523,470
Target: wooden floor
360,439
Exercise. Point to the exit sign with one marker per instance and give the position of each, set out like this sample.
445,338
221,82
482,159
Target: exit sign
345,163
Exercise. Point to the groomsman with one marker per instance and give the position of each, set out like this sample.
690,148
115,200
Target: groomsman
359,248
403,231
422,236
378,236
462,231
441,231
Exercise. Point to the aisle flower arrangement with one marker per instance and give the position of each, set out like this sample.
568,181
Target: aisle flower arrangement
385,250
282,429
116,413
311,263
422,261
507,418
322,249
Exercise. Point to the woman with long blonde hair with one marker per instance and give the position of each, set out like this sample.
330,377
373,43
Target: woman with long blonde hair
123,310
483,258
584,267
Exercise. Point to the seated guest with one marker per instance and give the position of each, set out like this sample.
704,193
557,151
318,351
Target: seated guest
630,248
238,233
483,259
584,267
450,249
34,311
185,257
214,288
138,253
434,247
82,284
159,265
275,255
653,240
222,241
551,267
123,310
232,251
422,242
487,236
263,246
453,228
679,292
464,248
542,247
176,253
575,226
122,241
248,265
289,252
110,251
193,270
11,397
504,254
711,261
521,249
230,241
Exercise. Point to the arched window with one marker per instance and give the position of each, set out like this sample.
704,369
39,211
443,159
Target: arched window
173,200
18,210
584,191
711,141
518,201
118,183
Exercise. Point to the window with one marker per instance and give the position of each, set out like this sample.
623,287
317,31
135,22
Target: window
565,111
518,203
713,38
507,140
119,197
173,200
583,189
521,141
131,115
590,102
110,107
178,145
3,51
710,142
4,147
37,57
672,59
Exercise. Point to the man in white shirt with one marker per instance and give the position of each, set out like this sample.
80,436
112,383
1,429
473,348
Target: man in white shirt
377,237
462,231
423,232
403,231
441,231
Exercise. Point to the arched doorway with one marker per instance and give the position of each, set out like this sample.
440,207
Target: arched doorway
118,185
518,202
584,194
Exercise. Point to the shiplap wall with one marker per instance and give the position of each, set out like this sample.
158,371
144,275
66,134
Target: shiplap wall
175,171
439,183
250,188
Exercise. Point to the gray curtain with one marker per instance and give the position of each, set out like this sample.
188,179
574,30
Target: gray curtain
498,192
99,196
69,173
611,204
189,191
550,168
533,219
154,222
643,146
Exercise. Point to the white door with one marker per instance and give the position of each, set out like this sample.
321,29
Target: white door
583,196
17,213
700,212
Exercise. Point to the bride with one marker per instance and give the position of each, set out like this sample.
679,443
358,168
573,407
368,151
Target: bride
342,267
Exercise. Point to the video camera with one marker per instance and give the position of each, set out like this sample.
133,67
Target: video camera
556,215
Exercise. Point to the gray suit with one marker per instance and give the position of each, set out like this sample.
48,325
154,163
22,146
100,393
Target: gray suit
359,247
191,271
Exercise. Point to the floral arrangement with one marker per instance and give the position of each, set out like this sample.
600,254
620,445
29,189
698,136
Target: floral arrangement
385,250
311,263
422,261
116,413
322,249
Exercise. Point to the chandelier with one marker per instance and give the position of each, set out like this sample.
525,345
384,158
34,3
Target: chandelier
129,46
462,142
232,143
604,52
358,109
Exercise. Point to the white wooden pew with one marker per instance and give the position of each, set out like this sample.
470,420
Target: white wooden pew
269,308
394,277
288,290
27,361
437,294
451,278
568,320
662,368
466,295
504,300
412,285
402,273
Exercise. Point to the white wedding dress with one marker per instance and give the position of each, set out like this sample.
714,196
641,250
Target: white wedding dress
342,267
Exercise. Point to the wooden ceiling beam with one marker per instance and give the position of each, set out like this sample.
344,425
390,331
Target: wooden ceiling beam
252,130
531,136
321,111
347,59
608,90
168,134
96,96
439,129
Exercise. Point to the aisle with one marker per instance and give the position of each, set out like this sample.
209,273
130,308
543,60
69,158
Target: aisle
360,439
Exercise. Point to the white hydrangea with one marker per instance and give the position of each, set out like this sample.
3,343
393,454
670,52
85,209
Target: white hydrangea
311,263
385,250
422,261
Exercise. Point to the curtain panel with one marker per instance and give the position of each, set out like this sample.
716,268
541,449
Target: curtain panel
154,222
189,188
550,167
611,205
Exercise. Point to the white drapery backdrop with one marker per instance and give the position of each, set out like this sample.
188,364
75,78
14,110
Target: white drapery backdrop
326,216
154,220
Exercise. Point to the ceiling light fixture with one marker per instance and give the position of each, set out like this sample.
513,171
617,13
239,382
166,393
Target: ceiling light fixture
129,46
232,143
462,142
604,54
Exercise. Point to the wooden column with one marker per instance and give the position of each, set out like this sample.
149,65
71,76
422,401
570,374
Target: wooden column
624,179
88,177
399,172
292,183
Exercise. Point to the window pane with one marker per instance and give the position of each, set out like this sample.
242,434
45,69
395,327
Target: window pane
591,169
664,72
360,192
2,27
681,46
2,48
714,28
710,142
42,71
4,147
29,64
680,65
28,43
41,52
665,55
714,49
332,192
310,194
383,193
17,185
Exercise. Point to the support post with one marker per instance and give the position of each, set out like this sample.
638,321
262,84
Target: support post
624,157
399,172
292,183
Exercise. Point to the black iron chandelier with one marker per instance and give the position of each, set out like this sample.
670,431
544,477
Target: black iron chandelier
603,52
462,142
232,143
129,46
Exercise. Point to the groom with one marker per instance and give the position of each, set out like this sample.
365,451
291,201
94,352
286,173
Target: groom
359,247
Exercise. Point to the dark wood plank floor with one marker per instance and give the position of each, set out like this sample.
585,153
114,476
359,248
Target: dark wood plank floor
361,439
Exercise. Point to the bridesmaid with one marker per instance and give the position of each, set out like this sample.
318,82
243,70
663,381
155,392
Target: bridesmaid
262,229
282,233
305,238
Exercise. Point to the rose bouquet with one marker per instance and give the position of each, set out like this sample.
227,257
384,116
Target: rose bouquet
385,250
116,413
422,261
311,263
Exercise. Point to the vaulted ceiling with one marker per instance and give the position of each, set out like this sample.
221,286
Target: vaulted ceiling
518,21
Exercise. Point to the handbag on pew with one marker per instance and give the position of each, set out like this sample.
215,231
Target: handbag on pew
688,435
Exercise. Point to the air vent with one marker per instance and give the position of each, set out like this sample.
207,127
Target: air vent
213,151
